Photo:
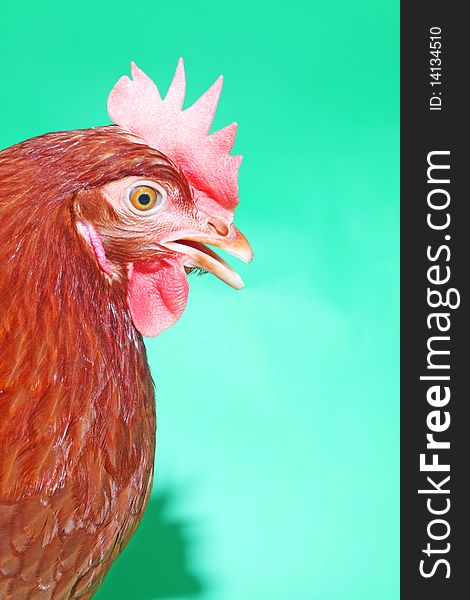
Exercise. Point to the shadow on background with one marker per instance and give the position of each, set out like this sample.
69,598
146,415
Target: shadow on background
156,562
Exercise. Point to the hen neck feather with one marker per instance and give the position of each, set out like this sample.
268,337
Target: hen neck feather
74,379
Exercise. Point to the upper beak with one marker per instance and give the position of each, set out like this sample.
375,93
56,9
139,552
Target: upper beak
197,255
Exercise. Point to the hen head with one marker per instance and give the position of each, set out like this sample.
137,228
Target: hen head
147,228
152,225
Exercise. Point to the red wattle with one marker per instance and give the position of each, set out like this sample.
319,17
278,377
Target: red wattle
157,294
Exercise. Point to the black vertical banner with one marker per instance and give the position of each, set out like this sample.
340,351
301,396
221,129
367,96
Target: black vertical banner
435,273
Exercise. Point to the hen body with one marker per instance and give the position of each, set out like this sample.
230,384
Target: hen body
77,429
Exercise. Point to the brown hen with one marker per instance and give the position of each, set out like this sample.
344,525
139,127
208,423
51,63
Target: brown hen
97,229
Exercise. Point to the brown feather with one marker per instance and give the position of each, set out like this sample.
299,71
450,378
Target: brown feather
77,417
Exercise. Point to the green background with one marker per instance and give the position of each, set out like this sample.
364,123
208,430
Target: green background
277,460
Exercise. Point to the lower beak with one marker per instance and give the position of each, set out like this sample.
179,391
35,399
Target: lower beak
198,255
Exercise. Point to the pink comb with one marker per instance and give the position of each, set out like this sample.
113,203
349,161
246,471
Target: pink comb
182,135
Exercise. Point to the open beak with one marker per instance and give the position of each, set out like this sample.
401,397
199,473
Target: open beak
198,255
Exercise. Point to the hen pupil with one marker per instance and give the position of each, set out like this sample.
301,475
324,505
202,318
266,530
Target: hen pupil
144,199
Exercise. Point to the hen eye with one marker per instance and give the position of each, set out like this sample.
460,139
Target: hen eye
144,197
